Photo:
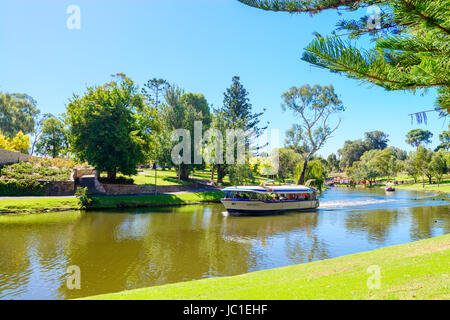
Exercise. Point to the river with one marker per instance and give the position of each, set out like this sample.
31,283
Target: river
127,249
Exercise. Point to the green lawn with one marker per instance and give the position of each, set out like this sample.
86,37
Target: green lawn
39,205
36,205
147,177
443,187
416,270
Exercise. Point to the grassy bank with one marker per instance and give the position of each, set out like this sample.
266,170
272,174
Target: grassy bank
416,270
428,187
55,204
154,201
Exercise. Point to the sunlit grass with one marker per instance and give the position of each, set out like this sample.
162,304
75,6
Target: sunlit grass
54,204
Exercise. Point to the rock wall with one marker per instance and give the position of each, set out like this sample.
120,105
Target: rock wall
7,157
60,188
131,189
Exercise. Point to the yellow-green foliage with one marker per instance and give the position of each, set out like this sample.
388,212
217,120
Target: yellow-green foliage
21,142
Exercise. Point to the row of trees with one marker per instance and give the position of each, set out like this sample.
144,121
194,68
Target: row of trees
381,163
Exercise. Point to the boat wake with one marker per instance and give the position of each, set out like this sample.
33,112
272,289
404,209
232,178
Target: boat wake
345,204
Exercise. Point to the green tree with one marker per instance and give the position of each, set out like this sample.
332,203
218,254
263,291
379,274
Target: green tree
438,165
422,161
237,113
315,170
154,89
53,139
18,112
411,43
410,167
444,137
366,168
181,111
333,163
104,128
376,140
314,107
417,137
288,161
351,152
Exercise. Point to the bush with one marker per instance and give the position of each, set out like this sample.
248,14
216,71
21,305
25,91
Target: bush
38,169
118,180
85,198
22,188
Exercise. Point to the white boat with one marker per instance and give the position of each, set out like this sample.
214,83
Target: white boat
266,199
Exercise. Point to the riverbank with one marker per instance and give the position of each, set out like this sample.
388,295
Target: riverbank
36,205
416,270
427,187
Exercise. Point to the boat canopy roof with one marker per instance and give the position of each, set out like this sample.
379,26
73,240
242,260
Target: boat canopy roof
270,189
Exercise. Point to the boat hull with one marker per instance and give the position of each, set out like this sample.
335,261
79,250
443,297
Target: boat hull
268,207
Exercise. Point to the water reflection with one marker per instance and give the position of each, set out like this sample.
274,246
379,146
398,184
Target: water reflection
119,250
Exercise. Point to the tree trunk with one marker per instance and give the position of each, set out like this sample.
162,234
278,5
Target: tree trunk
212,173
220,173
112,175
184,172
301,180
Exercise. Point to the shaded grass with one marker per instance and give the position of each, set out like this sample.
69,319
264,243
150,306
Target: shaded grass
416,270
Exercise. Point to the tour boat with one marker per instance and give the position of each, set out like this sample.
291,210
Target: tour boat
267,199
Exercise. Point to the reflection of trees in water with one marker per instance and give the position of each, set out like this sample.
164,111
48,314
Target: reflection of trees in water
33,255
376,224
301,243
306,246
425,219
118,254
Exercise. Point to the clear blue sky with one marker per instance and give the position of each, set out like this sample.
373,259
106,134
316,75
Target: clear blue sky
197,44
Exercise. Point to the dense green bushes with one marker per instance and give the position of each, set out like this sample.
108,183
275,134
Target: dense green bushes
37,169
22,188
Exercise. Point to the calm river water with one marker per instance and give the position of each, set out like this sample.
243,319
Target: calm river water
118,250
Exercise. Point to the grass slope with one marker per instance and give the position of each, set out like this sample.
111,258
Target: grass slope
416,270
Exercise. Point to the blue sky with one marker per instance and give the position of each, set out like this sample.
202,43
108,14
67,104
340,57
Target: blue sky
199,45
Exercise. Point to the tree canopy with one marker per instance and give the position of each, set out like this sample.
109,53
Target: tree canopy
106,127
53,139
17,113
411,43
417,137
314,107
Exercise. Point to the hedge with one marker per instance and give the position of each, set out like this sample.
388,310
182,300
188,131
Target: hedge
22,188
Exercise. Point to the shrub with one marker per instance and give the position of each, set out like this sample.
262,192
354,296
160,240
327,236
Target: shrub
85,198
117,180
22,188
37,170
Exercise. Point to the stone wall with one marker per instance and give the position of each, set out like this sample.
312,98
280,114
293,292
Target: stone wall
131,189
7,157
60,188
79,172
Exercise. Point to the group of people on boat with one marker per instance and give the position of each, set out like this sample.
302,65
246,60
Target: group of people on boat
269,196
